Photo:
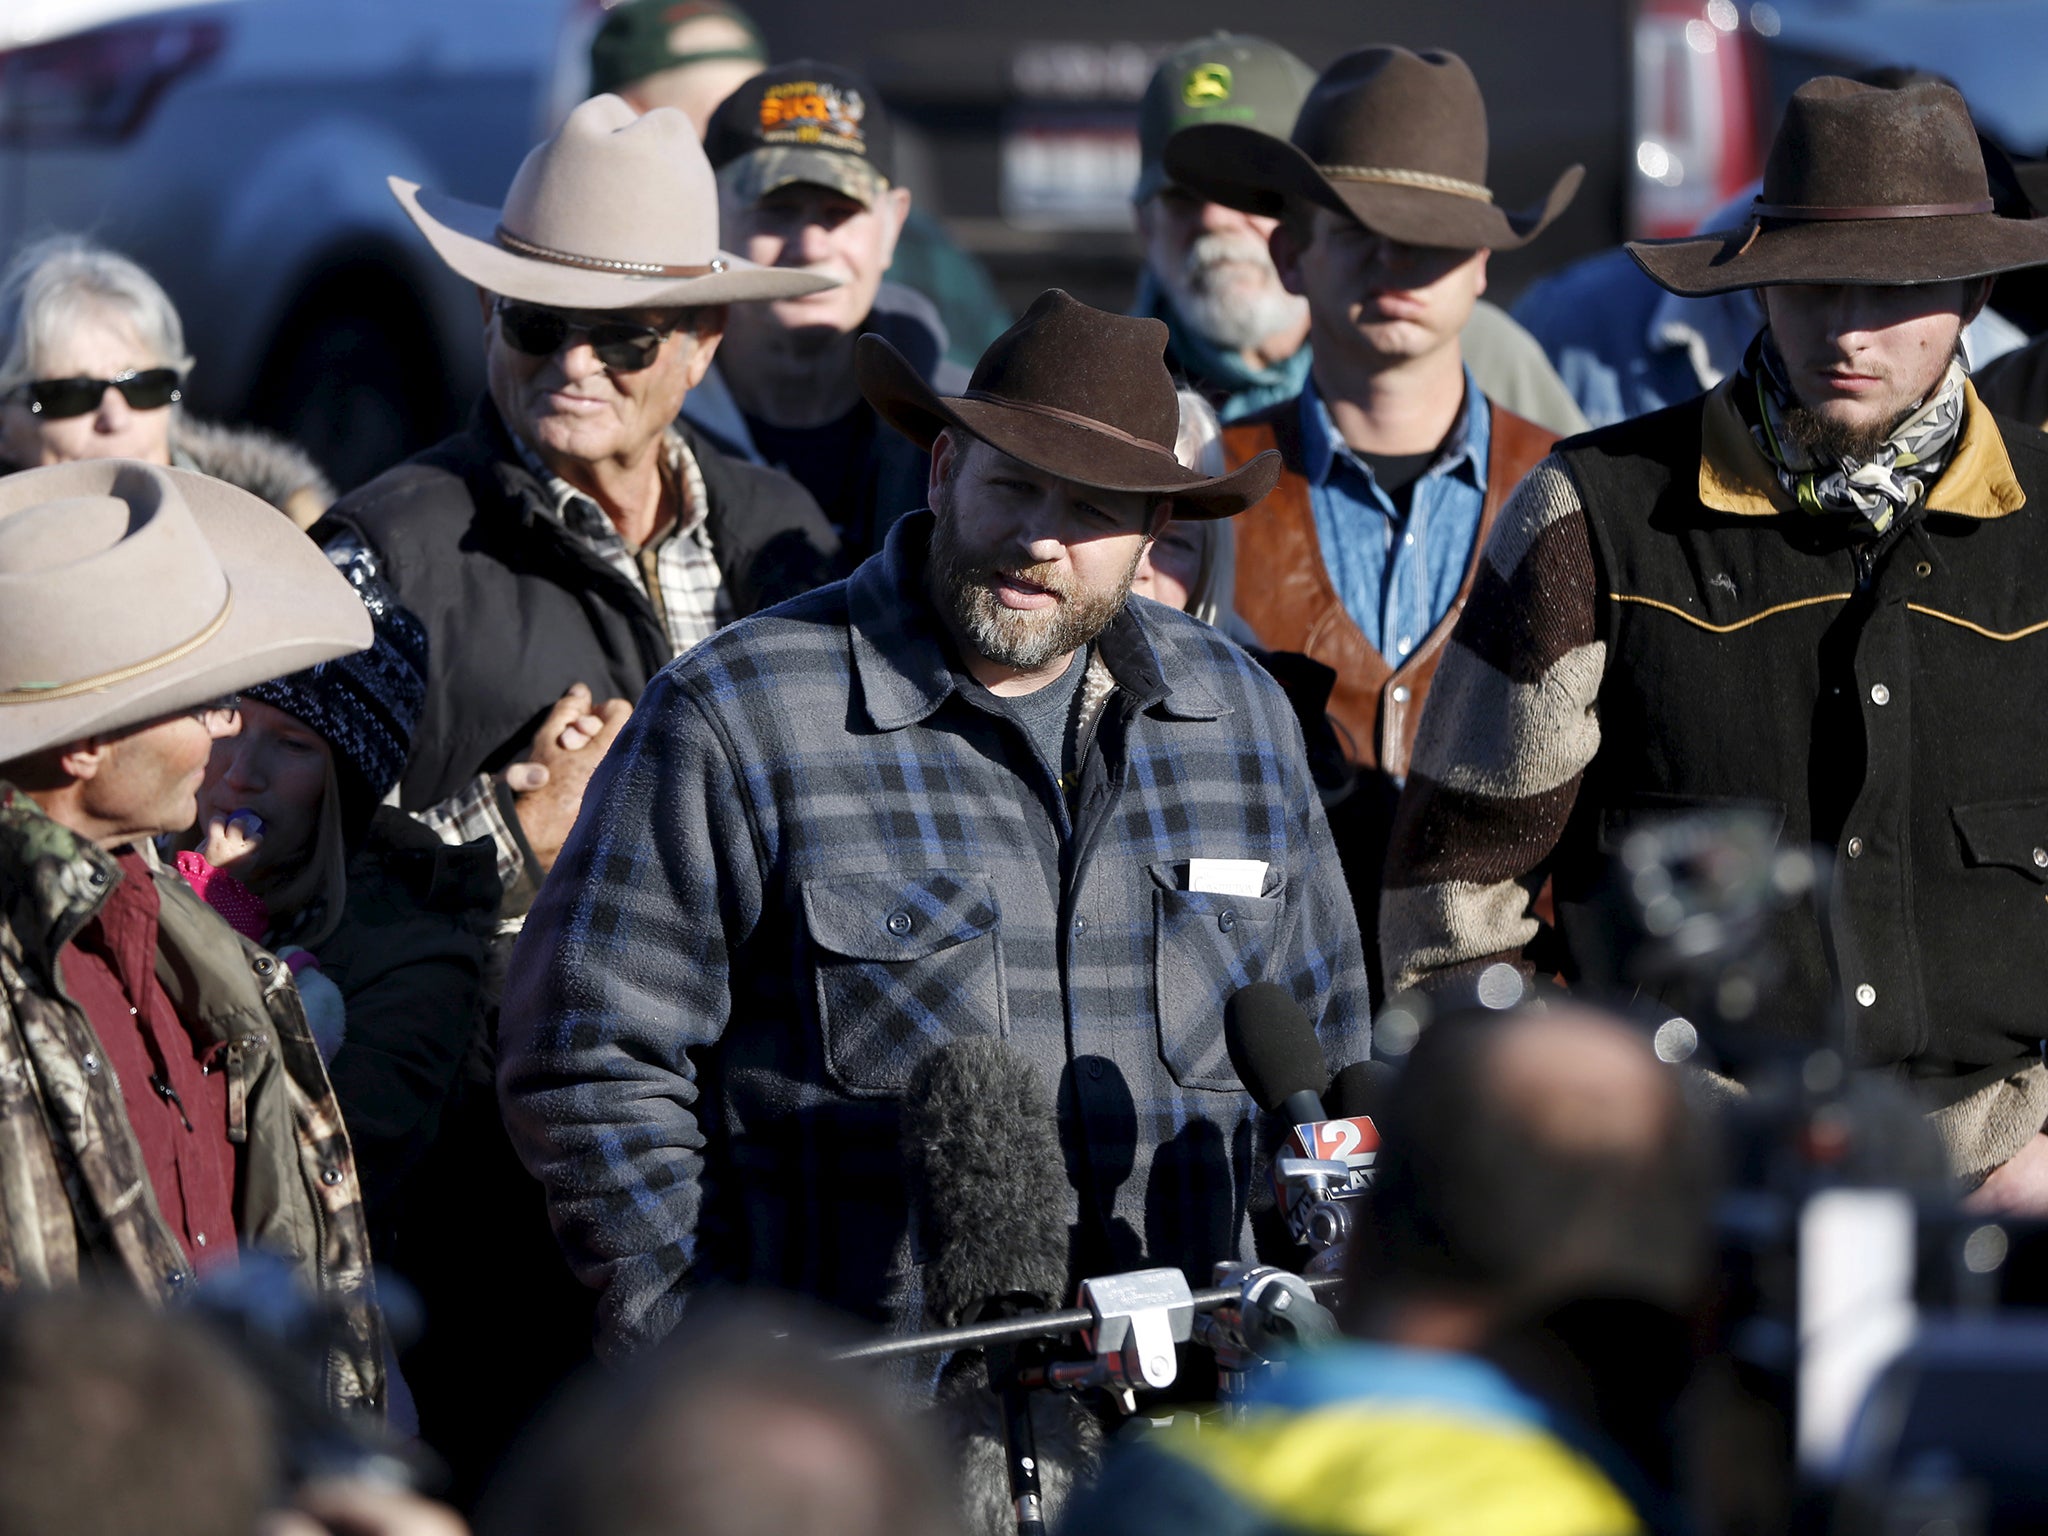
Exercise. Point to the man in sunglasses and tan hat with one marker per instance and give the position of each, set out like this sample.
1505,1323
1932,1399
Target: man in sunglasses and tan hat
165,1103
575,536
1396,461
972,790
1816,594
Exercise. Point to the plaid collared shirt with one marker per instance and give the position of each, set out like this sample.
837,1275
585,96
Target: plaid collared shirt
676,571
812,856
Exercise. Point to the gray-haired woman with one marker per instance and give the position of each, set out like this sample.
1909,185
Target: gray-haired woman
93,366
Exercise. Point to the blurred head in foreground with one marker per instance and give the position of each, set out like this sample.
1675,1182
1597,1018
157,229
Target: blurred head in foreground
1531,1161
736,1426
119,1421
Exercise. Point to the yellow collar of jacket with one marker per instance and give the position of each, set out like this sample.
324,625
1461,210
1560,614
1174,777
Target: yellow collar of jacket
1736,477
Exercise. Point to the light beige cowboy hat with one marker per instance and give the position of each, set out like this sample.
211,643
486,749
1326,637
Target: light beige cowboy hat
616,211
130,591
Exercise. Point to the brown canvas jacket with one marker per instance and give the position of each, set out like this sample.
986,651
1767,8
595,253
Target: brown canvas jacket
74,1197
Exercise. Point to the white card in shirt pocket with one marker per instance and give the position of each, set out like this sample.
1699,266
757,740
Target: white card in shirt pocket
1227,877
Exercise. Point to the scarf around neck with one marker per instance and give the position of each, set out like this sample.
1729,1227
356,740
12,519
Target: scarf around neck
1870,492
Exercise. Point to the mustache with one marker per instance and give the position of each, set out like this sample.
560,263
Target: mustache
1211,251
1047,577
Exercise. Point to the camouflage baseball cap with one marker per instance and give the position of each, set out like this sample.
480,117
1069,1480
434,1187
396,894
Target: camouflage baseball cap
1225,77
640,37
801,122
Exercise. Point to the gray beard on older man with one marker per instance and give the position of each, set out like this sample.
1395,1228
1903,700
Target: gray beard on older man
1227,291
959,577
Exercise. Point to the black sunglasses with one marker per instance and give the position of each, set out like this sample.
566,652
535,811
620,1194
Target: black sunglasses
145,389
621,345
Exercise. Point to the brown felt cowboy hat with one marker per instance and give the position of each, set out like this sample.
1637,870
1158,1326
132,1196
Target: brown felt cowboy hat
130,591
1396,140
1865,185
1075,392
616,211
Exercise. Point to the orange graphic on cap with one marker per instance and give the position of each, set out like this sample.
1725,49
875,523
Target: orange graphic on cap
813,112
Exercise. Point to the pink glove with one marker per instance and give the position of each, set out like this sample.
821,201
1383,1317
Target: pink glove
241,907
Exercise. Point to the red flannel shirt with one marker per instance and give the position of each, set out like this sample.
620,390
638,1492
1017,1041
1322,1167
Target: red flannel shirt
178,1109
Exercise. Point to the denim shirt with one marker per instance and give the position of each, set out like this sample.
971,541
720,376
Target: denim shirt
1396,577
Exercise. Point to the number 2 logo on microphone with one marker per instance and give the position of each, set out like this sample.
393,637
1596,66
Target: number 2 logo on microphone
1346,1141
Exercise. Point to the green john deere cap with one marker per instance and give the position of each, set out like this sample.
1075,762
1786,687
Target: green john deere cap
1225,77
639,38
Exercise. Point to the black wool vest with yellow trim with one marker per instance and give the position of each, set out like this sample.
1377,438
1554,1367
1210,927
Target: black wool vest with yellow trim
1890,708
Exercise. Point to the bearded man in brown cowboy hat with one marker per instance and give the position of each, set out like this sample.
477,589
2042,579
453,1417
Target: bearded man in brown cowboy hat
971,790
1815,592
1396,461
167,1103
575,535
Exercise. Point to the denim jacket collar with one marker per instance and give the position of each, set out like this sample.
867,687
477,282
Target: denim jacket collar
1464,450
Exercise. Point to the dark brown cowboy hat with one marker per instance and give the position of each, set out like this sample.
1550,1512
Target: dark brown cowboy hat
1074,392
1395,139
1865,185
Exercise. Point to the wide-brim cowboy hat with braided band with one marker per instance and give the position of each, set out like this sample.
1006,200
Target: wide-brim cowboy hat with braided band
1865,186
616,211
1395,139
1075,392
130,591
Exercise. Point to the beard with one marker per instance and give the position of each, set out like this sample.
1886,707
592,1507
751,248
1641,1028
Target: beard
1227,291
1857,442
958,578
1822,437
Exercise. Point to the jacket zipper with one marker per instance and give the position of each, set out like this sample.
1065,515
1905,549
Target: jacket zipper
169,1095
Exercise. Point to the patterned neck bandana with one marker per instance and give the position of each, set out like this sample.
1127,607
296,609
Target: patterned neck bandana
1873,491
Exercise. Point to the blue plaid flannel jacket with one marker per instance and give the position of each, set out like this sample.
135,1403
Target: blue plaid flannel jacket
810,857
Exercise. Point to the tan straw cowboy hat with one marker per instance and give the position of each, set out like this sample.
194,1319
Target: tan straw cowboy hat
1076,392
130,591
1395,139
1865,186
616,211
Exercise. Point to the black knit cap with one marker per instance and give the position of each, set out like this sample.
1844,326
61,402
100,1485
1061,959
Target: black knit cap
364,705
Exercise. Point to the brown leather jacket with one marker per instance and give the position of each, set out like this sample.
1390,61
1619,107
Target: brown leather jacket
1285,592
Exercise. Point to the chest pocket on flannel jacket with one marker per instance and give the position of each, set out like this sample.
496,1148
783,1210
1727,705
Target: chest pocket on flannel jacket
901,962
1204,947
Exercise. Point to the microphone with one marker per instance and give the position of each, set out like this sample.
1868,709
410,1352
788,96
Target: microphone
983,1148
1274,1050
1360,1090
989,1190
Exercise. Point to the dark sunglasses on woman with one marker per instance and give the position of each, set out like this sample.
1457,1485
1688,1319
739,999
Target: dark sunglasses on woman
145,389
623,346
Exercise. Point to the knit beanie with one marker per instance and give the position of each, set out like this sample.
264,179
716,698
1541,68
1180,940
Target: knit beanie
363,705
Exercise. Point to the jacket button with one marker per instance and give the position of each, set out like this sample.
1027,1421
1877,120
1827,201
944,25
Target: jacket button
91,1063
1855,847
1080,926
2041,858
176,1279
98,877
330,1176
1226,919
1879,694
899,923
1866,994
1923,568
1400,693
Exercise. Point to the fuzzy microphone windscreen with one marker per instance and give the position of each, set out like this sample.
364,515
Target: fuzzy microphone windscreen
986,1172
